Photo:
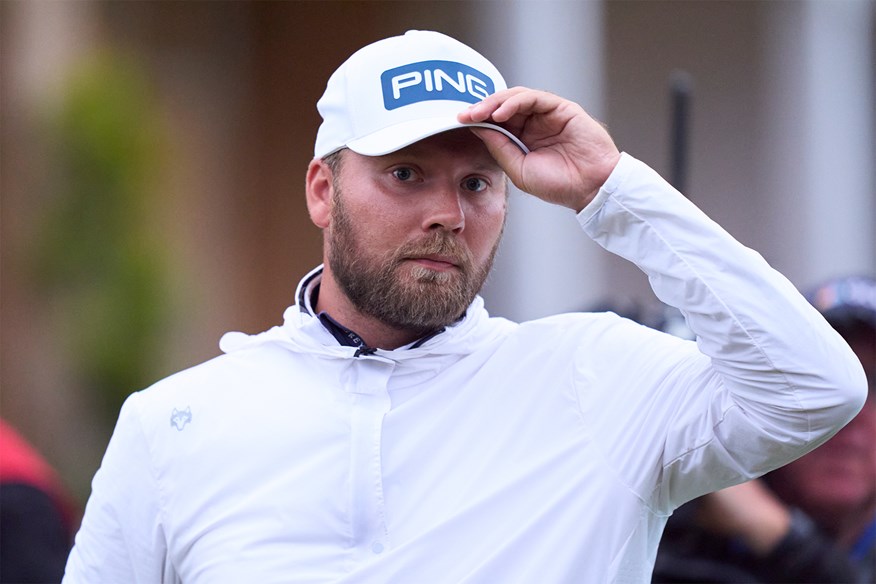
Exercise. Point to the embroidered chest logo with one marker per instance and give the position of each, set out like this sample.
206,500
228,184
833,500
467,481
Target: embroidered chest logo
179,418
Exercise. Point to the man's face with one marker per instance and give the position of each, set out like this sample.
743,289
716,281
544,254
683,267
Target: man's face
413,233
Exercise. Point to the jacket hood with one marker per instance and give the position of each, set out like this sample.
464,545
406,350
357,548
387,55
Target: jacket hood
303,332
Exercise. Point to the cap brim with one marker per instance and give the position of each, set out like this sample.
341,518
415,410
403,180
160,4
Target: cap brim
404,134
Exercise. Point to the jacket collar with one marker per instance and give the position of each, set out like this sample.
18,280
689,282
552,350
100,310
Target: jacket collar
306,295
303,331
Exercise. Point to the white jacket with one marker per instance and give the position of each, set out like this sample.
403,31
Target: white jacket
544,452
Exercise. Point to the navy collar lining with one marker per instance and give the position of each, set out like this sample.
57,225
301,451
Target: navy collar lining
342,334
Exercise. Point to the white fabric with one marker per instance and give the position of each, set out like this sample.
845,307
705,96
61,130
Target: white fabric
399,90
550,451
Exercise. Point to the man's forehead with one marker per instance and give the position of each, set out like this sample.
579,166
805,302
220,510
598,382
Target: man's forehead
458,142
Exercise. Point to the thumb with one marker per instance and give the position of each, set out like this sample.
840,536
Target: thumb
503,150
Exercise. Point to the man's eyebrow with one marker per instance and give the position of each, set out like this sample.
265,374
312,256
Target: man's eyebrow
492,166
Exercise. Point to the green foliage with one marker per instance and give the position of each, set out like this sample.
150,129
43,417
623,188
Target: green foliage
101,264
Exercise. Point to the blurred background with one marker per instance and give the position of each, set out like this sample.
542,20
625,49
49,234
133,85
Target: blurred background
152,159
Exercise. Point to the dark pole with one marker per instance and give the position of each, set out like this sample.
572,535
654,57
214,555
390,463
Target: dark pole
681,88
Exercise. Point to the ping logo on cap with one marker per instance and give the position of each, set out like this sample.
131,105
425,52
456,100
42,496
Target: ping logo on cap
433,80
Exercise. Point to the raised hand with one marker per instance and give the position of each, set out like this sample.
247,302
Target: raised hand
571,154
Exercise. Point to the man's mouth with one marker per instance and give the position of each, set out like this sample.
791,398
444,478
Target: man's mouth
435,262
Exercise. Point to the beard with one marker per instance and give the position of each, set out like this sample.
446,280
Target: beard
400,293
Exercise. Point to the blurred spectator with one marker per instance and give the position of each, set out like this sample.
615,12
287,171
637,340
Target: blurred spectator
36,514
813,520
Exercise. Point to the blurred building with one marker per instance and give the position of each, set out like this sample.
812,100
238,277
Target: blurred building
780,152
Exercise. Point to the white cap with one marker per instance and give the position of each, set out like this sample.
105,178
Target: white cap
399,90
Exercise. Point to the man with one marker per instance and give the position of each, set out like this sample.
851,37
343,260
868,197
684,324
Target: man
391,431
813,520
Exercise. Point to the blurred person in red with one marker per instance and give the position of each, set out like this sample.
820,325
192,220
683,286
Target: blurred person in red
813,520
37,516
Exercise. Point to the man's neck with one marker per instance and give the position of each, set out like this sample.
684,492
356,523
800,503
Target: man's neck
373,332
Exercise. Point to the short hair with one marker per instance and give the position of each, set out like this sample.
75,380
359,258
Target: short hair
333,161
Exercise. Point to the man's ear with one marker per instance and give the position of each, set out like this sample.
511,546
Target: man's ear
319,188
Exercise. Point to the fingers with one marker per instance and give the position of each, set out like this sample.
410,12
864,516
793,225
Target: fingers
503,150
530,115
504,105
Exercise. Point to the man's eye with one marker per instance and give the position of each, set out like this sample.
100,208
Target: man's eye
403,174
475,184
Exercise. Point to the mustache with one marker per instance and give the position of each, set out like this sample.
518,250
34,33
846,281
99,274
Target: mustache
436,244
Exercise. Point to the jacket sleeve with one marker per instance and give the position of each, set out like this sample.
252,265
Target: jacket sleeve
776,380
121,538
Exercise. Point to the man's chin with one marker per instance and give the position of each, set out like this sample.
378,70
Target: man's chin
430,302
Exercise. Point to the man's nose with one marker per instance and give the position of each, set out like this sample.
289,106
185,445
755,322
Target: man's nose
445,211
